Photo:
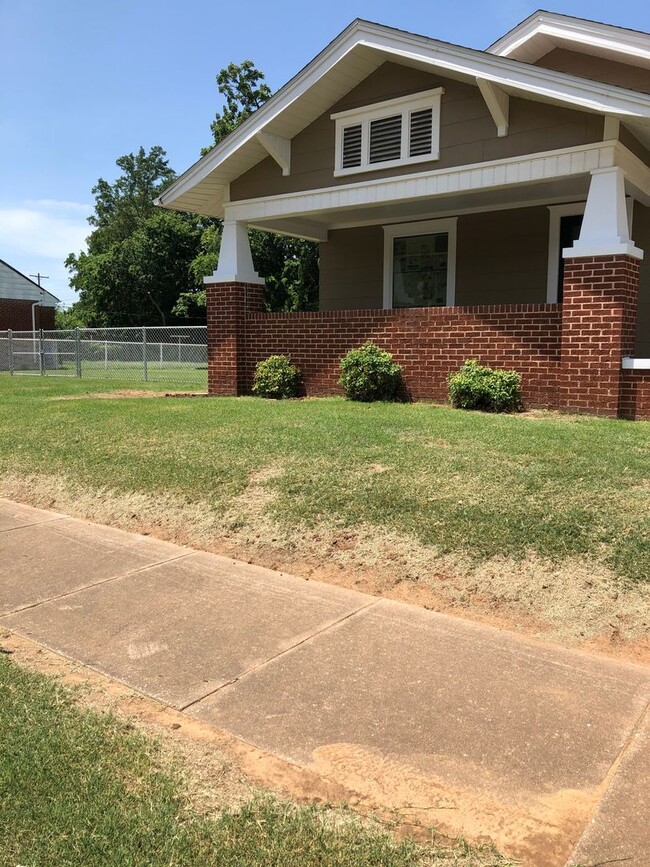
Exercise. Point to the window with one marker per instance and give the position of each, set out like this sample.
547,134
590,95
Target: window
420,264
391,133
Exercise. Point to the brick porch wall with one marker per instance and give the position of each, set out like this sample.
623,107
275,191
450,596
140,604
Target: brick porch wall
429,343
635,395
569,355
17,315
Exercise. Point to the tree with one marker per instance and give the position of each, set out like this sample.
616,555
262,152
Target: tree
244,91
139,257
289,265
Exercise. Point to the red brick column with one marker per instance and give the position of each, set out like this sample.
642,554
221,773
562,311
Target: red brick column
228,305
598,328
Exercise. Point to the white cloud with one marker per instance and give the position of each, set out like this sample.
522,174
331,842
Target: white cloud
38,234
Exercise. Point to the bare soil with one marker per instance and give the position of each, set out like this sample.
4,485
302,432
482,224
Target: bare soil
219,771
110,395
575,602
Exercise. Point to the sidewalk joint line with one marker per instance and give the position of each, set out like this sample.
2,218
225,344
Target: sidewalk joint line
261,665
611,773
95,584
34,524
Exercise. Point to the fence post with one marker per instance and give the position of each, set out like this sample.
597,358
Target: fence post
77,351
10,350
144,353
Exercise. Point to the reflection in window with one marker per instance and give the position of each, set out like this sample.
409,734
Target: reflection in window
420,270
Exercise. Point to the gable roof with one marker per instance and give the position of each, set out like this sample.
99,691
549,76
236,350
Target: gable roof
356,52
542,31
19,287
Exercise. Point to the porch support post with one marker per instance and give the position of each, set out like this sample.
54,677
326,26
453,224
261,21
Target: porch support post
600,295
232,293
605,230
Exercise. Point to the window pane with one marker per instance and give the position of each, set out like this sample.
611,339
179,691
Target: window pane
420,270
386,139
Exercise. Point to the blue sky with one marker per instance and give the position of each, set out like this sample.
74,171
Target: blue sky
83,82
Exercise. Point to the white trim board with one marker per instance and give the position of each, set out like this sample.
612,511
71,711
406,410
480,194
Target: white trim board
526,169
635,363
409,230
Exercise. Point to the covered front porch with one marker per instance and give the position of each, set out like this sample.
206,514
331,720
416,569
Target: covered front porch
438,267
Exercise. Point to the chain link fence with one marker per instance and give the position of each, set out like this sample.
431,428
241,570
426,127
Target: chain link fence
174,355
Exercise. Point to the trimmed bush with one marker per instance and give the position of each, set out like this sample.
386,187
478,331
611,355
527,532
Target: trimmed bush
276,377
479,387
369,373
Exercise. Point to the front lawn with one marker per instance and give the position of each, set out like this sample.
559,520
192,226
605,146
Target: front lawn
541,514
82,788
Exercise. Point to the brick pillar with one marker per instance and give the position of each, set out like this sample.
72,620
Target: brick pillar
599,306
228,304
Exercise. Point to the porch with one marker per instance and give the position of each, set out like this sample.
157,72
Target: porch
533,270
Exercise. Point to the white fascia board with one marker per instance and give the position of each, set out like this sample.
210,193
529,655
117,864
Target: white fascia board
549,84
618,40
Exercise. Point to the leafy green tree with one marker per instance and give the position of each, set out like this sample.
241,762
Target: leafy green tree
245,91
289,265
139,257
73,316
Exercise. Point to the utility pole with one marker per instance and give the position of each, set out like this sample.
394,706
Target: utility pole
39,277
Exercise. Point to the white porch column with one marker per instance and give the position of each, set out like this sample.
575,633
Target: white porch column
235,260
605,230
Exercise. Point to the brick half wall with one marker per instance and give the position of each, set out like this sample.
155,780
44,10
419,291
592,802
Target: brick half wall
429,343
17,315
635,394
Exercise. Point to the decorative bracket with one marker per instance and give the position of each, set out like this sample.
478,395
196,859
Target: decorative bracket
277,147
498,103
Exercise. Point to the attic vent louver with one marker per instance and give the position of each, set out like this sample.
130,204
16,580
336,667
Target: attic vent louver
421,132
351,146
385,139
387,134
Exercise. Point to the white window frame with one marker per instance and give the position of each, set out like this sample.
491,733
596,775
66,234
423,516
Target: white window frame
409,230
403,105
556,212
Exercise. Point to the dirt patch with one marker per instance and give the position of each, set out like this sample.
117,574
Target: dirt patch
220,771
575,602
110,395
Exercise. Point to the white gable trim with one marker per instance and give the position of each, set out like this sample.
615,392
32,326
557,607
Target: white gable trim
510,74
589,34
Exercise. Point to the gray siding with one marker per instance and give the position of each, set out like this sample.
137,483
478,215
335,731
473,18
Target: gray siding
596,68
467,134
501,259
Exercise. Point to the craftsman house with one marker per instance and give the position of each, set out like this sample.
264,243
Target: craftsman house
23,304
468,204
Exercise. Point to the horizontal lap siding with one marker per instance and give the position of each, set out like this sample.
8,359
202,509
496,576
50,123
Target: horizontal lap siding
430,343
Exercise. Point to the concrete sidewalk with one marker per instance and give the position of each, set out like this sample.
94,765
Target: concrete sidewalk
465,727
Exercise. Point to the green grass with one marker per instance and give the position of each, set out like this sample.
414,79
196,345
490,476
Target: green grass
79,788
465,483
172,374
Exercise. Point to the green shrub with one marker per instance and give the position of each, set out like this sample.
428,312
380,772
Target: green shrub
369,373
479,387
276,377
